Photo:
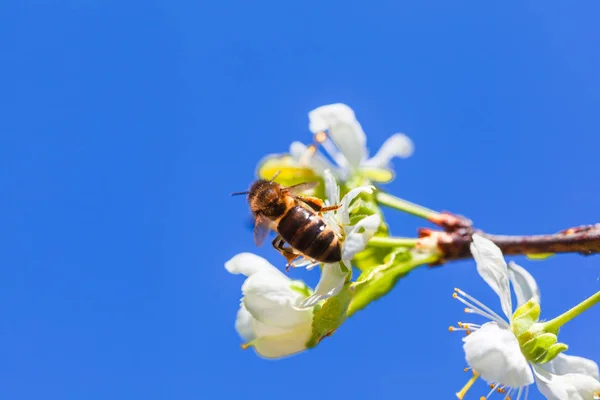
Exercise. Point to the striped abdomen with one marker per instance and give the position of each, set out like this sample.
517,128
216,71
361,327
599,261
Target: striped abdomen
307,233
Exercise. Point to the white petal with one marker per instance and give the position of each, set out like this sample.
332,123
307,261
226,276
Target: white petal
524,285
332,190
304,156
493,351
270,300
249,264
358,236
565,364
344,211
566,387
331,282
397,145
244,324
284,343
492,268
344,130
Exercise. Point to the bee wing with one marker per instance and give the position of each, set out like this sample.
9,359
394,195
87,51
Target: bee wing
261,230
301,187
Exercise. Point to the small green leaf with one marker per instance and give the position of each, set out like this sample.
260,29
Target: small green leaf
540,256
378,280
370,258
329,317
301,288
552,352
525,316
535,348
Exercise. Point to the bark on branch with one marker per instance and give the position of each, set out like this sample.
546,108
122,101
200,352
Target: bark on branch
455,239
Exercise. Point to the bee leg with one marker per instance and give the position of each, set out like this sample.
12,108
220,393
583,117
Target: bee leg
330,208
317,204
287,251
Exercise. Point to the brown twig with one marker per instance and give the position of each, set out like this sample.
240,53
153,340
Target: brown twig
457,233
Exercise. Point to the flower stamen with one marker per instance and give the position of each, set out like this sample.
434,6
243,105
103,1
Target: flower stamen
519,393
246,346
472,309
461,395
491,392
484,308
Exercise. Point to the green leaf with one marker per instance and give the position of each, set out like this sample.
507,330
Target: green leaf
535,348
378,280
370,257
524,317
301,288
329,317
540,256
552,352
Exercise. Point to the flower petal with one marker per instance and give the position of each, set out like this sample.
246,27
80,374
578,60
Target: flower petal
493,351
244,324
304,156
492,268
270,300
344,211
249,264
284,343
565,364
331,282
524,285
397,145
344,130
358,236
332,190
566,387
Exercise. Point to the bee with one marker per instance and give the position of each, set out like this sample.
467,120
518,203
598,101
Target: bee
297,220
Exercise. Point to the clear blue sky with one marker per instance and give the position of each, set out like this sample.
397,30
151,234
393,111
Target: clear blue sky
125,125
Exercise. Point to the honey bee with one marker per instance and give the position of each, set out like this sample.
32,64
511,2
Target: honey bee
297,220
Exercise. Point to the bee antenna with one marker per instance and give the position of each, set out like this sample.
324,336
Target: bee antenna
239,193
275,176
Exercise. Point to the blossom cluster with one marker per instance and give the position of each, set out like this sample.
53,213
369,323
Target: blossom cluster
279,316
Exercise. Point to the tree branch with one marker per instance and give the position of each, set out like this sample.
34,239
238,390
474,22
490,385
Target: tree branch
457,233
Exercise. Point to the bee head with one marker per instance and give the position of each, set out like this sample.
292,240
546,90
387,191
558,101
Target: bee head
266,198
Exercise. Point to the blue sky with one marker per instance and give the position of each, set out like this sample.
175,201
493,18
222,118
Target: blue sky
126,124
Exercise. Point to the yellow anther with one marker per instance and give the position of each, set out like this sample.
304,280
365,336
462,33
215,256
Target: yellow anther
245,346
467,310
461,395
451,329
468,332
320,137
492,386
454,295
482,398
460,324
456,289
466,369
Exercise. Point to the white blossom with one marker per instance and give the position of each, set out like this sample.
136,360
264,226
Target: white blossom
492,349
267,319
340,135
